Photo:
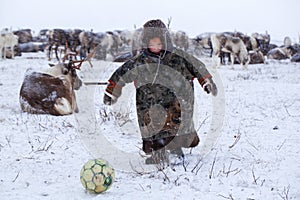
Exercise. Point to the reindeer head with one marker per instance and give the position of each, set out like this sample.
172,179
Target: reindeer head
68,68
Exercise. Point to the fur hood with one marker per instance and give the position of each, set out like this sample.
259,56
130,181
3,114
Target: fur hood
156,28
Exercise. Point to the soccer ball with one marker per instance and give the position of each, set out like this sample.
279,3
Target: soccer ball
97,176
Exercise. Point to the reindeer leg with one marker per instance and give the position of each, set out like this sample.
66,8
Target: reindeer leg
49,52
4,53
216,62
61,52
246,63
244,66
66,49
56,54
229,58
232,60
74,103
80,52
83,51
222,57
12,52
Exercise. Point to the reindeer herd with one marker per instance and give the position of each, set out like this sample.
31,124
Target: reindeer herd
224,48
236,47
52,91
59,42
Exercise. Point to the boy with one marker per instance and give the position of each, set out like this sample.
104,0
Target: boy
160,114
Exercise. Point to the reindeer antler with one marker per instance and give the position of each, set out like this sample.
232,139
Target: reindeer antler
76,64
169,22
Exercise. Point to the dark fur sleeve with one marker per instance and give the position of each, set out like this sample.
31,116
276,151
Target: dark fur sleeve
196,67
118,79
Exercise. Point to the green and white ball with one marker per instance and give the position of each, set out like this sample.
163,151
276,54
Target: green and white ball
97,176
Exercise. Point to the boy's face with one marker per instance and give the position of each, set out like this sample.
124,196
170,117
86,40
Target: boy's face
155,45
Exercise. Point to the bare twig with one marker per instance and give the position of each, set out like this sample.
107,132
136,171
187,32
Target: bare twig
125,121
252,145
8,141
28,158
250,153
212,167
287,111
262,183
237,138
60,130
176,180
162,170
238,171
238,159
221,195
281,145
142,172
285,193
16,176
254,178
142,187
197,167
229,197
46,146
184,164
30,143
203,121
229,170
43,126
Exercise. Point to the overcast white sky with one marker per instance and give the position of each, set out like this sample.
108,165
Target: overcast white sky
279,17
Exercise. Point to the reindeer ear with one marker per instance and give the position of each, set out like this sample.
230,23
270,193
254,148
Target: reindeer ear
65,71
51,65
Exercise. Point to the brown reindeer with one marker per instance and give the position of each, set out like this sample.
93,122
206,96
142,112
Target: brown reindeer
25,35
96,42
281,53
57,38
52,91
256,57
180,40
263,41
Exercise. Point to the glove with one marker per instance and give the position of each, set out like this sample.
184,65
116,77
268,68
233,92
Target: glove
209,86
112,93
108,100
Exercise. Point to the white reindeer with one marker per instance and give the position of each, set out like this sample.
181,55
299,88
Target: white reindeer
233,45
7,40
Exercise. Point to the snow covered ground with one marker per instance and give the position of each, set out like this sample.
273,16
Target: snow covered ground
256,155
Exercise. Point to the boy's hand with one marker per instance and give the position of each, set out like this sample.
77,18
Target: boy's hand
107,100
209,86
112,93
